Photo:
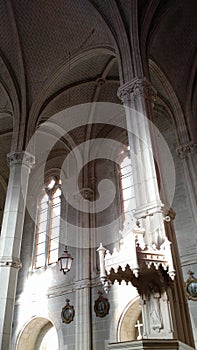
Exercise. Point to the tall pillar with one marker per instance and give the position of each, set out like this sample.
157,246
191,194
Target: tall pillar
82,277
11,237
138,97
160,317
82,335
179,305
188,155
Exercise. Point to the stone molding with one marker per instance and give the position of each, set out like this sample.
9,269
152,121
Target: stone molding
60,290
186,149
152,344
135,88
149,209
24,158
15,263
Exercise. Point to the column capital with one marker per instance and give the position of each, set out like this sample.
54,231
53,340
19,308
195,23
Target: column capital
22,157
84,193
186,149
135,88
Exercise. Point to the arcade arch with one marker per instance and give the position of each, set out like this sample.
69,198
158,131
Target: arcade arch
38,334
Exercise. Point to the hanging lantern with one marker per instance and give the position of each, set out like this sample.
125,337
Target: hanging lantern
65,261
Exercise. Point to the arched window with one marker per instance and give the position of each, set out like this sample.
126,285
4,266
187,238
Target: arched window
48,225
127,186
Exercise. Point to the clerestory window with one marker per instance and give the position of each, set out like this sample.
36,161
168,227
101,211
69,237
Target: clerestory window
48,225
127,186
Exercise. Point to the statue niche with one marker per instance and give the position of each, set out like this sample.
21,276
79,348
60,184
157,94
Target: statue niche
156,313
155,309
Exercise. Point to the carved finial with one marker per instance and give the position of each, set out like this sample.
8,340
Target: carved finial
107,286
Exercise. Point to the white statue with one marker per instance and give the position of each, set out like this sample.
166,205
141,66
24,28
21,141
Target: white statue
155,310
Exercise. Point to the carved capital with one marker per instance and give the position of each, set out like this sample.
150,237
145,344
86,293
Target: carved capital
23,157
186,149
135,88
84,193
87,193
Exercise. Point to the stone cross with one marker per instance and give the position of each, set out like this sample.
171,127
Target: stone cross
138,326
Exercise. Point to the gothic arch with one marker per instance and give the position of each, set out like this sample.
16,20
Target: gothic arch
157,76
121,45
3,190
33,333
191,103
9,91
40,104
130,315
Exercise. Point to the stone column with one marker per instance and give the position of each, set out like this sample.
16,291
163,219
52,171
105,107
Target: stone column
138,97
188,155
11,238
82,334
82,277
182,328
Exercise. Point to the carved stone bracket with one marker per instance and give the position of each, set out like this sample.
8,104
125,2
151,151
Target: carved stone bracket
137,87
84,193
189,148
23,157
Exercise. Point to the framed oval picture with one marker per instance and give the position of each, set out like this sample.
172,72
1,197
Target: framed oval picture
191,286
68,312
101,306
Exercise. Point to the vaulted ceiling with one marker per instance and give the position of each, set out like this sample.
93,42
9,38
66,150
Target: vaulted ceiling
57,53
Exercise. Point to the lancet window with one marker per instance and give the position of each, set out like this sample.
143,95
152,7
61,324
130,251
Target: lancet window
127,187
48,225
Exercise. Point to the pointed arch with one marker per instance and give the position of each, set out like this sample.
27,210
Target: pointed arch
130,315
34,332
169,94
67,65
